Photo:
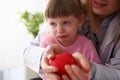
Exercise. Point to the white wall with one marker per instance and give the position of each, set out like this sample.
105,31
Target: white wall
13,35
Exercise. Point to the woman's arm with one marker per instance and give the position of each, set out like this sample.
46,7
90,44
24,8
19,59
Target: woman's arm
110,55
109,71
33,54
81,71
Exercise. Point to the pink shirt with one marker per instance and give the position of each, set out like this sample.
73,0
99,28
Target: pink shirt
82,45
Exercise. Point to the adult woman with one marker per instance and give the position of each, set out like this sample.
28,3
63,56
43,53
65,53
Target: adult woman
106,40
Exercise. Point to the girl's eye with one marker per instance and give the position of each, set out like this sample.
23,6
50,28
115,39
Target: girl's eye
52,24
67,22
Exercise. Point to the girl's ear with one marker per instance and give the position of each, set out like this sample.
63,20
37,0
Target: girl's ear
81,20
83,2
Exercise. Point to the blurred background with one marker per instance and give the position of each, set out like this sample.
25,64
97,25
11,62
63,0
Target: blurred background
14,37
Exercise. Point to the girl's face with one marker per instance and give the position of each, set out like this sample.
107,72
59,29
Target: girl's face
105,7
64,29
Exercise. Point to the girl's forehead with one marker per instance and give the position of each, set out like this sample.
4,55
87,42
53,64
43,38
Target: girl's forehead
63,17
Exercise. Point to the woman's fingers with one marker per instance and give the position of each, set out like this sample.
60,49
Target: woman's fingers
71,73
65,77
75,73
82,61
80,73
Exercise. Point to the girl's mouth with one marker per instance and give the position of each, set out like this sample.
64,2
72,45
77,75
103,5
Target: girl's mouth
62,37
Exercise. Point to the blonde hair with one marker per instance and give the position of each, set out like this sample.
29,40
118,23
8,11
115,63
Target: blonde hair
93,18
63,8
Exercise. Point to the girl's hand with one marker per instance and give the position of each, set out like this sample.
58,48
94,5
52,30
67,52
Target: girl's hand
80,71
50,52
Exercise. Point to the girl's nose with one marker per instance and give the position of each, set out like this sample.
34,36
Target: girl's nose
60,29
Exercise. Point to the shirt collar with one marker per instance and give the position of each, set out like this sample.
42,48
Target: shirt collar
107,20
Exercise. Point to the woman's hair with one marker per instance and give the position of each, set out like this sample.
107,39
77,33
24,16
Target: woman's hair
63,8
93,18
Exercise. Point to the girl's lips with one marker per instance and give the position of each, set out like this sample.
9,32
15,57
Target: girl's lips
98,4
62,37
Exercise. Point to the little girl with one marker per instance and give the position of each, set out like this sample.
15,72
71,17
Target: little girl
64,18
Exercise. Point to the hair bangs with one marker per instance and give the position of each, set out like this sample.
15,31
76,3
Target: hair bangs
62,8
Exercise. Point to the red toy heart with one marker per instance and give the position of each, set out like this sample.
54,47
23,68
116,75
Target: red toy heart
60,60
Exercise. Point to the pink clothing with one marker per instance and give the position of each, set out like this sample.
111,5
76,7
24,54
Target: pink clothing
82,45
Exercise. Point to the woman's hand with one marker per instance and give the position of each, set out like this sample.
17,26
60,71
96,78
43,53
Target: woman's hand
81,71
50,52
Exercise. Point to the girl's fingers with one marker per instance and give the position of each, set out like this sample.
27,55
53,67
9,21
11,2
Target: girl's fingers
46,68
49,53
53,76
49,69
52,50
